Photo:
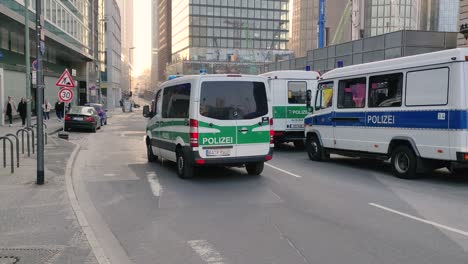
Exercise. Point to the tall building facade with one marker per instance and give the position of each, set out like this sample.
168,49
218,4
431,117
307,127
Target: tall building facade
164,37
70,43
126,14
228,36
305,24
447,19
463,20
384,16
154,43
111,72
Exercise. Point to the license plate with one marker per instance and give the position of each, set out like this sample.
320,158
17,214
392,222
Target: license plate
218,152
78,118
297,126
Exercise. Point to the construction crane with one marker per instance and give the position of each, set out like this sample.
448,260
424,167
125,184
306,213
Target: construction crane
321,24
338,37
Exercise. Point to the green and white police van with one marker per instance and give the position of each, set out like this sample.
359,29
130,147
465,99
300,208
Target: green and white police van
288,94
211,120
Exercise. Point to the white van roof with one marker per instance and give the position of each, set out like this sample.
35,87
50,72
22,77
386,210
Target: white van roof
432,58
234,76
297,75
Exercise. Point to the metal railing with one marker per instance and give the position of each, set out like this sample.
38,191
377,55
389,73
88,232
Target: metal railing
4,139
19,138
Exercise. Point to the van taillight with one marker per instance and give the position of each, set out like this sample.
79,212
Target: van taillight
193,133
272,133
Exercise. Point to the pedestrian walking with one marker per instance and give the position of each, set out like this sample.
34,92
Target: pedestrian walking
9,108
22,106
59,109
46,108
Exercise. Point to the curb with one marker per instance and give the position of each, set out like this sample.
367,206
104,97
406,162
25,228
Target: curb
93,242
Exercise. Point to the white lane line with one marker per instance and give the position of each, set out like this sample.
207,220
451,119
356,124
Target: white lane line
283,171
455,230
206,251
154,184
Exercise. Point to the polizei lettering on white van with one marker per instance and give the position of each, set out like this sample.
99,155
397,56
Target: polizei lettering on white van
299,112
218,141
381,119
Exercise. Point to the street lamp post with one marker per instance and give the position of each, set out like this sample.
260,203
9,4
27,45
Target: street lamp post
130,68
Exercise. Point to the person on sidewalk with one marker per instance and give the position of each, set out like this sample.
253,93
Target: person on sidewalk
22,110
9,108
59,108
46,108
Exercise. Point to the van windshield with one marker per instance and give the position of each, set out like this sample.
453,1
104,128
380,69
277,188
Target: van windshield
229,100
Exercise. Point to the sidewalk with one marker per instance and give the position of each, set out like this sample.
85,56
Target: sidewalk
53,126
37,223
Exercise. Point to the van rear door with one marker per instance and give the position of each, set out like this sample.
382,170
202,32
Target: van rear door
233,118
253,119
217,123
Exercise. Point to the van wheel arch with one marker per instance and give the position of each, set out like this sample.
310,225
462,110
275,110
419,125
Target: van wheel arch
396,142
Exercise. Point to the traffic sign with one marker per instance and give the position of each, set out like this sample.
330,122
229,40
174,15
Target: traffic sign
65,95
65,80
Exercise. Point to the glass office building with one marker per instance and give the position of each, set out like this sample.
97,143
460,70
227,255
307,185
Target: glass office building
448,15
384,16
237,31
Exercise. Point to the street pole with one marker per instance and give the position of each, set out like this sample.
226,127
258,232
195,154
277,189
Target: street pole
130,68
27,63
40,48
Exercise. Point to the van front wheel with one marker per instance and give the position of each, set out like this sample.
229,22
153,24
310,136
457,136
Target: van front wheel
184,169
404,162
254,168
314,148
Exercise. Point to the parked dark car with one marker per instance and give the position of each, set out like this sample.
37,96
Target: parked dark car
82,117
101,112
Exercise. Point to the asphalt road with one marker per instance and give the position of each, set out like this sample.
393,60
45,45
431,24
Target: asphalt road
298,211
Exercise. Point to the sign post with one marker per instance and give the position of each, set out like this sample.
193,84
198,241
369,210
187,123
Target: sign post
40,39
65,95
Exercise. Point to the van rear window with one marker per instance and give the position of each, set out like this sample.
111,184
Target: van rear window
229,100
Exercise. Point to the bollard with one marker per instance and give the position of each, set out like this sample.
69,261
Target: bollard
22,140
11,153
17,148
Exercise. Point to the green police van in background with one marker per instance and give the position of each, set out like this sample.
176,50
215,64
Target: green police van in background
288,96
211,120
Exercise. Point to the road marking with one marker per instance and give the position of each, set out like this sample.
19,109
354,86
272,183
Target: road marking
154,184
454,230
284,171
206,251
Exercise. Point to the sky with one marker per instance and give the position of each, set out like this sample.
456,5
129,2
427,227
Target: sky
141,36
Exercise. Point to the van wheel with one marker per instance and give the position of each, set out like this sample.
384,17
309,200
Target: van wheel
184,170
314,148
299,144
404,163
254,168
150,154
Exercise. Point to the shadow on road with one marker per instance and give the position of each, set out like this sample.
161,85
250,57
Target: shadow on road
442,176
205,175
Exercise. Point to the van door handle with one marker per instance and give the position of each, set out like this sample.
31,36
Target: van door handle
243,130
345,119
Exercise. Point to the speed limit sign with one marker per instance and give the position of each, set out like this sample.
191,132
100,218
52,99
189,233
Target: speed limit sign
65,95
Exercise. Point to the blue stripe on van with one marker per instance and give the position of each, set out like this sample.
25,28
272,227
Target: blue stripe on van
431,119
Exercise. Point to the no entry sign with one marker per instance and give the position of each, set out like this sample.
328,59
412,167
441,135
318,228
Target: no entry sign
65,95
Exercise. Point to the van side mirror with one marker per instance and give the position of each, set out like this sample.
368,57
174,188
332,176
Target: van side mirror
309,100
147,112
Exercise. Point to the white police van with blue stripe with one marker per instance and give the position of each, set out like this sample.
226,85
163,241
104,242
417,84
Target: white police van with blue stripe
411,110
